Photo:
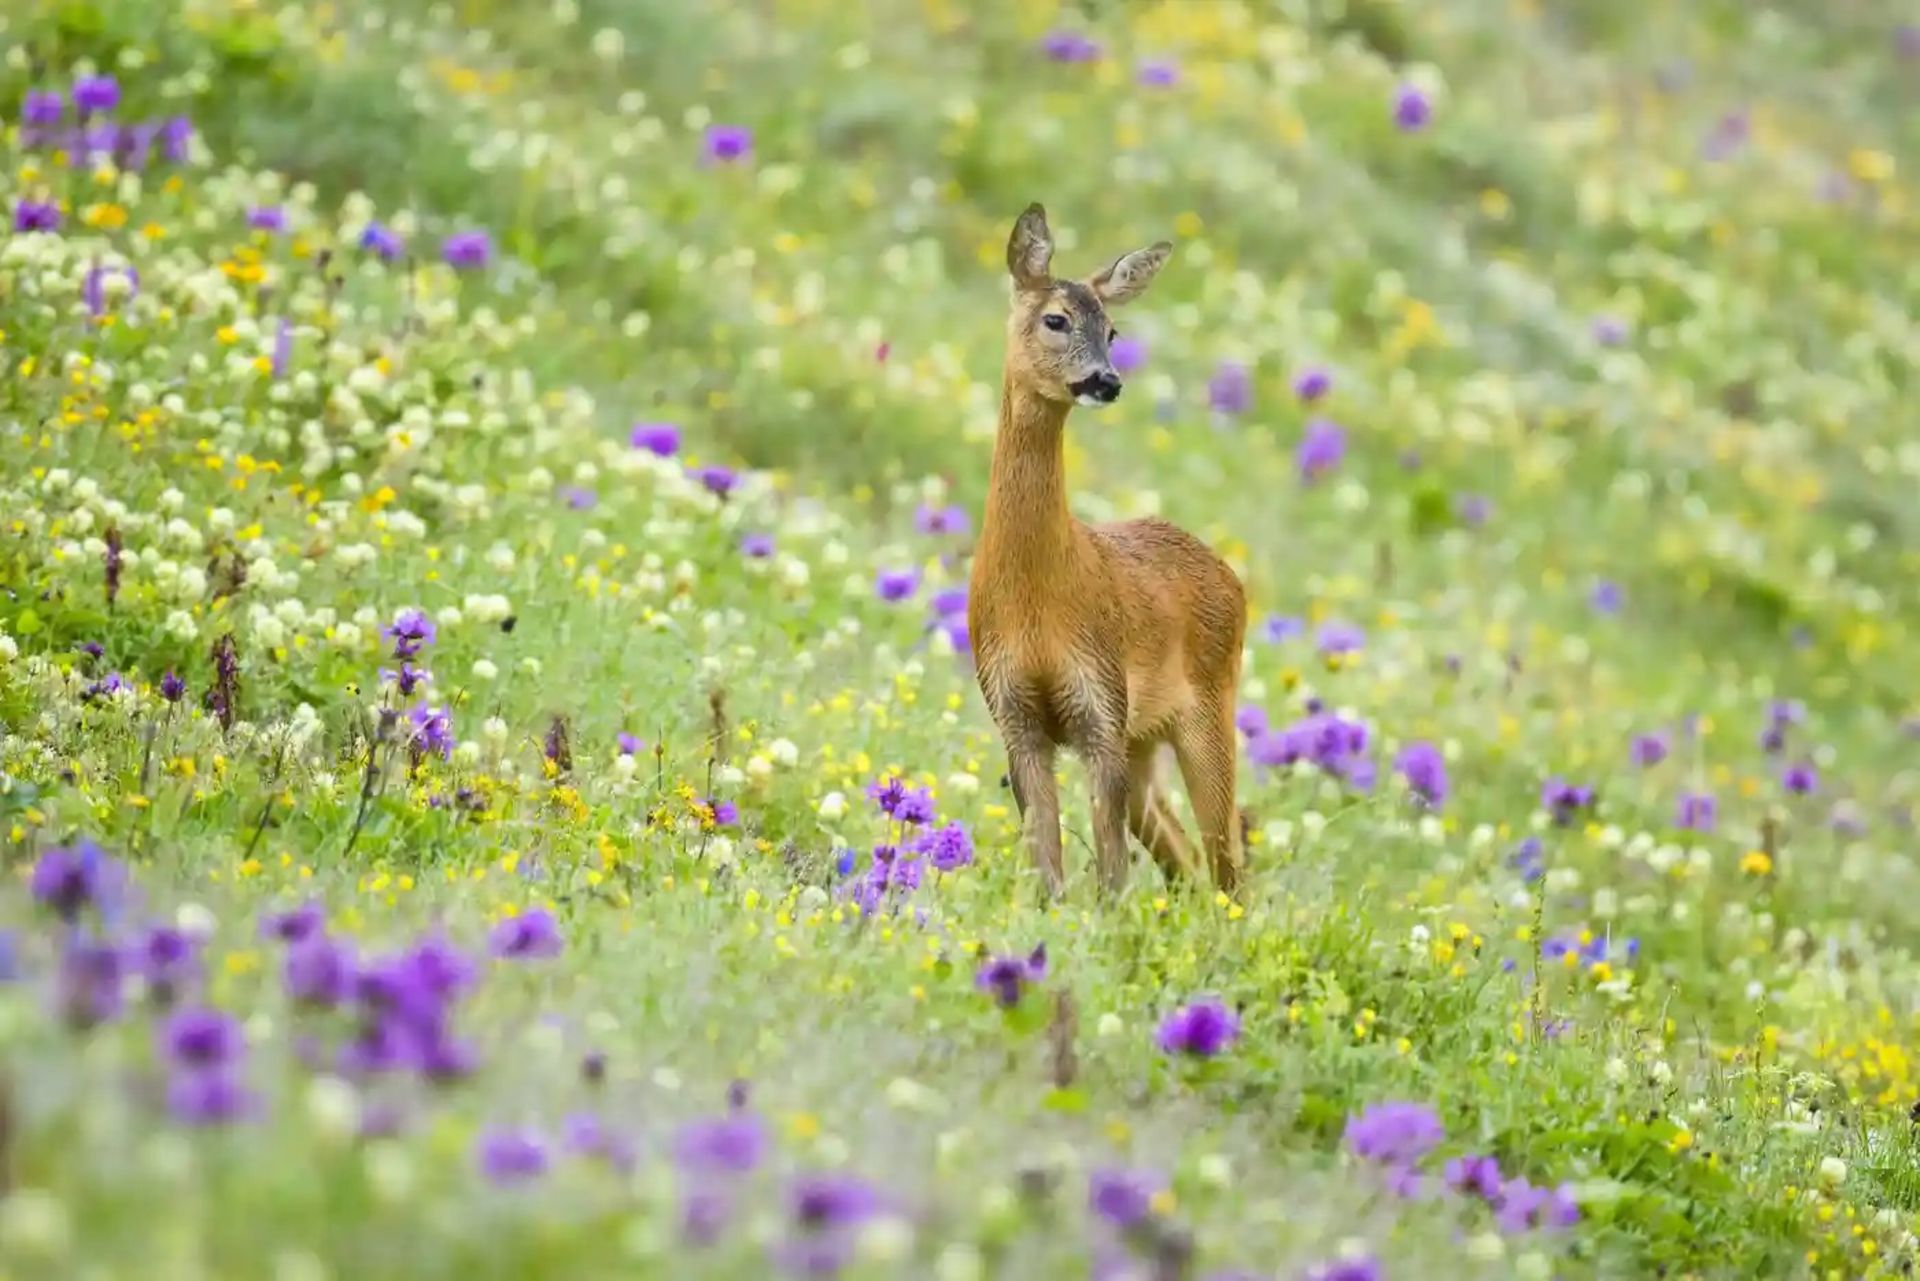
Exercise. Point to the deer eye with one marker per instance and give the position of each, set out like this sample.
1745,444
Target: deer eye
1055,321
1111,335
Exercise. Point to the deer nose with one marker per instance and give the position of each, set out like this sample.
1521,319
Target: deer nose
1103,387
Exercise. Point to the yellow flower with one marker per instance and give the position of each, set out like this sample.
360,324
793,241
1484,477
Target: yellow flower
1756,863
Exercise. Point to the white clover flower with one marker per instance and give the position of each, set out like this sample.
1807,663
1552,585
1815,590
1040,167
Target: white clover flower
485,670
467,752
833,807
180,625
494,730
784,753
449,616
9,648
962,783
625,766
348,636
1110,1026
1833,1171
759,768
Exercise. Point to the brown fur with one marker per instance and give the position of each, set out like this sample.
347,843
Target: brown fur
1112,640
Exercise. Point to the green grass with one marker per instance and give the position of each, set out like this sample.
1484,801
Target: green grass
1732,1101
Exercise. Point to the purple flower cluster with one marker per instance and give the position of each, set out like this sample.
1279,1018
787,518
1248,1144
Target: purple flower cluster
1008,976
1563,800
1425,771
1394,1133
1589,949
204,1050
1516,1203
1322,446
1334,743
898,866
949,613
1200,1029
44,125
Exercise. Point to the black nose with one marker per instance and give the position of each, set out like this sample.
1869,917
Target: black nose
1103,387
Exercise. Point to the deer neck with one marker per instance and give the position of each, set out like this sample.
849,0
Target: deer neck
1027,526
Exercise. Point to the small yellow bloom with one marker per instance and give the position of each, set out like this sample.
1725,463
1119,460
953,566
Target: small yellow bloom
1756,863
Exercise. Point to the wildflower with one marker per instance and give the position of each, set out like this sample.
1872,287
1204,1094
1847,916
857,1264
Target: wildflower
949,603
406,680
1230,390
1607,597
1278,628
319,971
1070,47
948,848
1425,771
1475,1176
585,1134
93,94
1906,39
432,731
93,288
295,925
89,982
629,744
823,1202
509,1156
1696,812
1313,382
1127,353
71,878
411,631
1006,977
757,546
1528,859
659,439
175,133
1609,331
42,107
580,499
716,480
1364,1268
1322,447
1563,800
728,144
270,218
1728,135
1251,720
732,1144
1411,109
529,935
202,1038
282,348
169,960
1123,1198
1340,638
1472,510
1201,1029
1649,749
36,215
467,249
1801,779
941,520
381,241
1394,1133
172,688
896,584
1157,73
213,1097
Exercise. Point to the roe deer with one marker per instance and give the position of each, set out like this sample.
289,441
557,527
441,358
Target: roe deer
1112,640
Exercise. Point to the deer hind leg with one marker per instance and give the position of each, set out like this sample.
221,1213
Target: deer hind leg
1151,819
1204,740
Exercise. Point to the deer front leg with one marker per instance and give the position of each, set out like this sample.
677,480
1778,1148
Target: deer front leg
1112,785
1030,765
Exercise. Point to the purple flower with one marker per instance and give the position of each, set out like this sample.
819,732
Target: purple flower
202,1038
294,925
1649,749
1006,977
282,348
509,1156
1394,1133
1801,779
1156,73
732,1144
1313,382
1474,1176
728,144
95,94
432,731
1200,1029
1472,510
660,439
42,107
175,134
1340,638
896,584
1528,859
319,971
585,1134
941,520
1425,771
1727,136
216,1096
529,935
716,479
1322,447
1127,353
1906,40
1230,390
407,679
950,603
93,287
382,241
1607,597
172,688
824,1202
757,546
1411,109
1609,331
467,249
1563,799
1365,1268
1123,1198
1280,628
1696,812
948,848
36,215
169,960
411,631
580,499
70,878
1070,46
629,744
89,986
267,218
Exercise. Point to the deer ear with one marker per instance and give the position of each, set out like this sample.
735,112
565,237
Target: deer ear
1030,249
1130,275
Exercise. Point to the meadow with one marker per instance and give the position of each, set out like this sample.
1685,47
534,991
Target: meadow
492,781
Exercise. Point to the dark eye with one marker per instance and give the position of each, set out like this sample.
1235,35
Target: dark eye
1056,322
1112,334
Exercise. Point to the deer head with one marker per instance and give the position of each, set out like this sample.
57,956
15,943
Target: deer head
1058,334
